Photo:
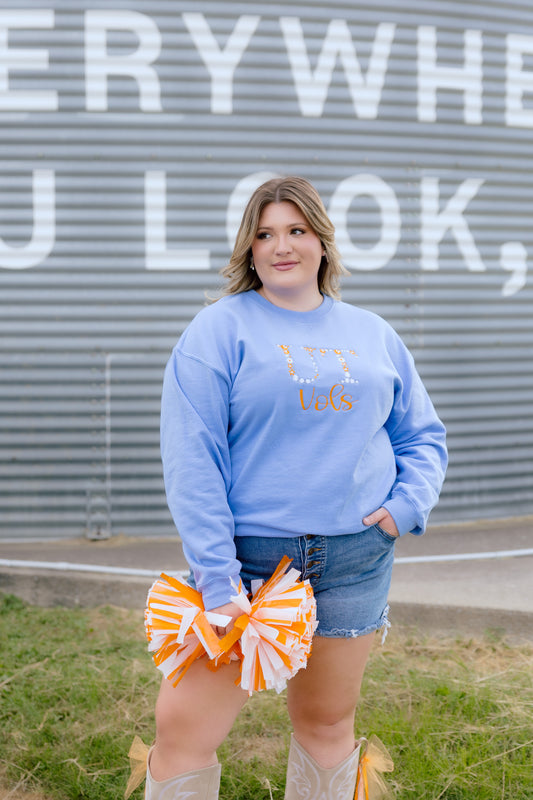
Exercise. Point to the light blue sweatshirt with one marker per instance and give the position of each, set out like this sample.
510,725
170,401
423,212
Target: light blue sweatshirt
285,423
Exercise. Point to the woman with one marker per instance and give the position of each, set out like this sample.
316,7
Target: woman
292,424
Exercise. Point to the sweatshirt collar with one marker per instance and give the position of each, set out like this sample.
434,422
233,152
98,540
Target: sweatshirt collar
296,316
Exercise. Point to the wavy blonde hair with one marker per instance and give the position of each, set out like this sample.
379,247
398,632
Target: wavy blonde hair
240,278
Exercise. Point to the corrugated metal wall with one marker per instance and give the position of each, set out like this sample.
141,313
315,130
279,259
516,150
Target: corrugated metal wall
127,135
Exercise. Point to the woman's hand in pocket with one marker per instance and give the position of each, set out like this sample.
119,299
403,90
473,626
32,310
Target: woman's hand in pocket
382,518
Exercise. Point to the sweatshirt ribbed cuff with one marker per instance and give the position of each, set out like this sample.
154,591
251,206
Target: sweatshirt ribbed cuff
218,592
404,515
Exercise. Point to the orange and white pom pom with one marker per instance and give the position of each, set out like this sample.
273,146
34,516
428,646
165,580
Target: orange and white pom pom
276,641
272,638
177,627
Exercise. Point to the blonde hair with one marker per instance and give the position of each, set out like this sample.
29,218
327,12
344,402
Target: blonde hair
306,198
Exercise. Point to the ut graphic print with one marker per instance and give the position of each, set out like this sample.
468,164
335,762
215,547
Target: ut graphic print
309,365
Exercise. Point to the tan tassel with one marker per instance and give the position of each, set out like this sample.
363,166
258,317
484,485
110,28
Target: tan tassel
138,755
374,760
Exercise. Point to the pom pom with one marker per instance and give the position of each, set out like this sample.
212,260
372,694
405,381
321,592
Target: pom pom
276,642
272,638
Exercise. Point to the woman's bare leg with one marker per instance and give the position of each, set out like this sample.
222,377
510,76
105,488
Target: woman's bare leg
322,698
194,718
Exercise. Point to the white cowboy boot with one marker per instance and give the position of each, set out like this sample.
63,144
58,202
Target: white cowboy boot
198,784
307,780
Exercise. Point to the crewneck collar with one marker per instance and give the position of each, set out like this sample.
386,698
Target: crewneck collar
296,316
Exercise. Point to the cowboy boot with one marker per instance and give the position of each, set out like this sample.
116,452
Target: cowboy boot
307,780
198,784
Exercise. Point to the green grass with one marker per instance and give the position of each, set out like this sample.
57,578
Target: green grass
77,685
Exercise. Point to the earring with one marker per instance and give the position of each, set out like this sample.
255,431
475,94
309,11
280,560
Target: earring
252,265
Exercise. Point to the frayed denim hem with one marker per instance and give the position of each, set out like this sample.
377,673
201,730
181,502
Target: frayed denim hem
382,625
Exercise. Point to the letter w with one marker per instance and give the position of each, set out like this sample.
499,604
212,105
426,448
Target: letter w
312,87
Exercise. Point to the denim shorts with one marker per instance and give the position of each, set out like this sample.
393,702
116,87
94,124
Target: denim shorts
350,575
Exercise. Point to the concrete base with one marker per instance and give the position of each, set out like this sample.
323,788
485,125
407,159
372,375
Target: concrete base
74,590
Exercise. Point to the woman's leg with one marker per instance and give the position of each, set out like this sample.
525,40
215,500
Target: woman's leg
194,718
322,698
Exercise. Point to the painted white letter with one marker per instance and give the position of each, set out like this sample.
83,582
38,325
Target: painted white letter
99,64
467,79
239,199
28,99
221,64
518,81
155,218
43,237
312,87
435,224
381,253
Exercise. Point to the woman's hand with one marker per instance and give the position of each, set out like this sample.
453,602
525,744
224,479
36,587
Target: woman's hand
230,610
382,518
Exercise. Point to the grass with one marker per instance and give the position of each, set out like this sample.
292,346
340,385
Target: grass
77,685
